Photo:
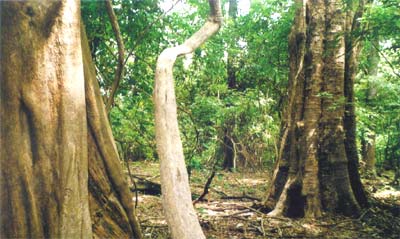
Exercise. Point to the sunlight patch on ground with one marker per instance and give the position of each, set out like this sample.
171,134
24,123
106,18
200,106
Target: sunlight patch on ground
389,193
145,198
251,181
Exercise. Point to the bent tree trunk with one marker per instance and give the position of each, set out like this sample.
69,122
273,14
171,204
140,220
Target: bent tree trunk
176,196
312,174
60,175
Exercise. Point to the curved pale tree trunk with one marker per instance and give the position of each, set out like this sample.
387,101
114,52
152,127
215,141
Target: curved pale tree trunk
312,173
176,196
60,175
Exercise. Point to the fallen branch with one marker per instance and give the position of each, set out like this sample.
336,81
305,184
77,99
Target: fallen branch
146,186
225,207
155,226
241,197
236,213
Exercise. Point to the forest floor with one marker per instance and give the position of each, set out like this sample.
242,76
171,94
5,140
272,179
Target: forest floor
227,210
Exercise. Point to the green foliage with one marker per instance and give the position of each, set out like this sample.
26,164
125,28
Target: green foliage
378,94
256,46
256,42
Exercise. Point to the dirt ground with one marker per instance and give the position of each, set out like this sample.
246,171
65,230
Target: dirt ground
228,212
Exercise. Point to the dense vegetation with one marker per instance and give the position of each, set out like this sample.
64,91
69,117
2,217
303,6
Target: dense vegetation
288,112
248,112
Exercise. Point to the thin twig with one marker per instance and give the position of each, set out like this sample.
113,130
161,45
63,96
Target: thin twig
132,180
237,213
262,226
242,197
384,57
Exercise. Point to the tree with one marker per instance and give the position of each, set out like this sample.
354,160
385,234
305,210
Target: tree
177,202
227,143
353,42
314,172
60,175
377,90
369,137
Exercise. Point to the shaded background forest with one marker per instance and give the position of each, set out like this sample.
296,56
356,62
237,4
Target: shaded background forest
230,92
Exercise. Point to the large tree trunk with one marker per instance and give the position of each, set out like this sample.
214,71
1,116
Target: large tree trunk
353,48
176,198
44,160
60,175
111,207
312,173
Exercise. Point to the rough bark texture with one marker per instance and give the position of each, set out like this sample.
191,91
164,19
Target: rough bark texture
111,206
176,196
353,49
312,172
60,175
44,160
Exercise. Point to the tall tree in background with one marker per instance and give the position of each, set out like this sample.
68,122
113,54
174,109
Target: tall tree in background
60,175
227,146
314,172
368,142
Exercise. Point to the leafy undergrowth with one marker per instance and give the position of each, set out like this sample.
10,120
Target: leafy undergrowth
227,210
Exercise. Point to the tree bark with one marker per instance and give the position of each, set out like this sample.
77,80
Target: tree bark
312,173
44,160
59,167
111,207
353,48
287,150
176,198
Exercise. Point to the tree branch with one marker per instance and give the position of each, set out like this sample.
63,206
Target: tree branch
121,52
147,29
